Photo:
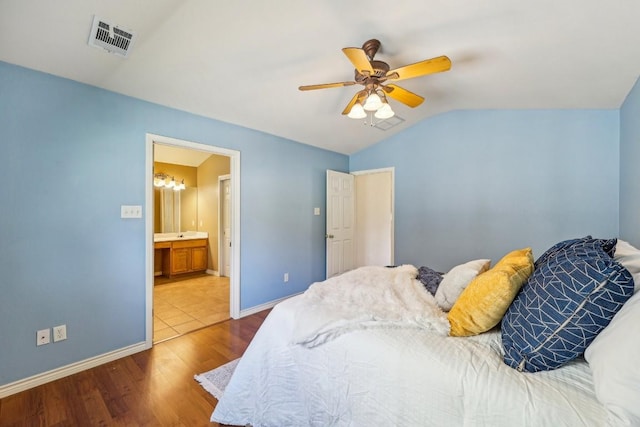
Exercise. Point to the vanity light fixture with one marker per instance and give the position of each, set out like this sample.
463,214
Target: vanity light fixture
163,180
178,186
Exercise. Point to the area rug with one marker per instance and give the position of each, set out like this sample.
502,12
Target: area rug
216,380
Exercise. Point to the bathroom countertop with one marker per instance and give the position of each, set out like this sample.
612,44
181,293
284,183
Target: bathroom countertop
187,235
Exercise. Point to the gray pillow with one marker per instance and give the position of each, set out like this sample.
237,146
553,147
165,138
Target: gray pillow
430,279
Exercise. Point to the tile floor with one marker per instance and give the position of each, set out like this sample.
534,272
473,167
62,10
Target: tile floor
184,305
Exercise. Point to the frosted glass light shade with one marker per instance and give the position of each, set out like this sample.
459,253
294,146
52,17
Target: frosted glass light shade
373,102
384,112
357,112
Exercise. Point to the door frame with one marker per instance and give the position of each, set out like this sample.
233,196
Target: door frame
234,280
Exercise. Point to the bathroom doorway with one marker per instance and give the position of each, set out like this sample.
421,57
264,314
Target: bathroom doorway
184,300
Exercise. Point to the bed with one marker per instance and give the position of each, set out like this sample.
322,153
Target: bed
374,347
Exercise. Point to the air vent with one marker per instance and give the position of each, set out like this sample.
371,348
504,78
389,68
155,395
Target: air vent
387,124
111,38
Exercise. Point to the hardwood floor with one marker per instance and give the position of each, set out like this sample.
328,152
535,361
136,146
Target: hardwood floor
151,388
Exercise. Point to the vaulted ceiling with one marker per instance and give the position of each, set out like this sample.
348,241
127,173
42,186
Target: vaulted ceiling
242,61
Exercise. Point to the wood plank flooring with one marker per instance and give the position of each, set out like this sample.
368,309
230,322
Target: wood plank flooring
151,388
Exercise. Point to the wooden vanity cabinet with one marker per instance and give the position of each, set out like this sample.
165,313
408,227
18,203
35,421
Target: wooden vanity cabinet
184,256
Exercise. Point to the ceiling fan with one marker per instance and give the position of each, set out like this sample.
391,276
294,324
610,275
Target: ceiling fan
372,74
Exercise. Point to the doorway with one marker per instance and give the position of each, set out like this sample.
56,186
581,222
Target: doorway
360,219
234,214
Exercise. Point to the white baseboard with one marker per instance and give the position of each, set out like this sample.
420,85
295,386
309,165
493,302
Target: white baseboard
64,371
265,306
213,272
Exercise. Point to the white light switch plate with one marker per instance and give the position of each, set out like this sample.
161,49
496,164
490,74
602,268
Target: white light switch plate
316,211
130,211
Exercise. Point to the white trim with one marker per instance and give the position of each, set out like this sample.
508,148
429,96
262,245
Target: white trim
148,234
65,371
265,306
391,169
234,162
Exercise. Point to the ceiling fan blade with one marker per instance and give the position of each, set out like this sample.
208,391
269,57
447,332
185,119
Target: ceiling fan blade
359,59
428,66
357,97
403,95
326,85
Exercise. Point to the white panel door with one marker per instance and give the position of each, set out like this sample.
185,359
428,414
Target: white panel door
225,222
340,223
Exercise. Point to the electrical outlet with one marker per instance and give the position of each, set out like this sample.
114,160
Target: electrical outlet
59,333
43,337
286,277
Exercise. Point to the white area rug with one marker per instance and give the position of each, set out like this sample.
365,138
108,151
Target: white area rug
216,380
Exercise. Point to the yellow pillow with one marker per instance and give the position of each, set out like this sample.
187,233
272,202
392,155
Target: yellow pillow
484,301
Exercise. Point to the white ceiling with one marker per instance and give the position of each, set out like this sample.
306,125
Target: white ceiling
242,61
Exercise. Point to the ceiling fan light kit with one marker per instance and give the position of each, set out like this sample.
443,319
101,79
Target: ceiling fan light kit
372,74
373,102
384,112
357,112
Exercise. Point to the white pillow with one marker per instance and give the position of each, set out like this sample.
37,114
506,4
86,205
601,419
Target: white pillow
629,257
457,279
613,358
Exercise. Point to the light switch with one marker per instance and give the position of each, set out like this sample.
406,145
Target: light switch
130,211
316,211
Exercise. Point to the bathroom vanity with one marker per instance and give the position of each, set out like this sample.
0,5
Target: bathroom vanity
180,253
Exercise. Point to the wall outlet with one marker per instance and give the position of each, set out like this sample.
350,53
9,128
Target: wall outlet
286,277
59,333
43,336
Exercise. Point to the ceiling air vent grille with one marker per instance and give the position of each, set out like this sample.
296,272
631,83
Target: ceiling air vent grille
387,124
111,38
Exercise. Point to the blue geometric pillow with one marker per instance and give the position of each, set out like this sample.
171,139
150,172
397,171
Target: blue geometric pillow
558,247
565,303
609,246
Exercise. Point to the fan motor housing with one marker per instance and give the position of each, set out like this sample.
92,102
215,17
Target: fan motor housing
380,70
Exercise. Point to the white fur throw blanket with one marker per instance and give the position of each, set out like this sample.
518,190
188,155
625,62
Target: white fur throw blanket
368,297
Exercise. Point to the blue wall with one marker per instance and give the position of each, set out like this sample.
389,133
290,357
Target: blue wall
630,167
72,155
473,184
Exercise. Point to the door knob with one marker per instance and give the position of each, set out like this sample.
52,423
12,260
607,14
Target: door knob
329,236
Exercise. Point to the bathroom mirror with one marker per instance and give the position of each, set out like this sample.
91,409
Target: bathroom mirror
176,211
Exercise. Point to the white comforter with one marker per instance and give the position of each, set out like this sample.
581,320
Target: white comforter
368,297
411,375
